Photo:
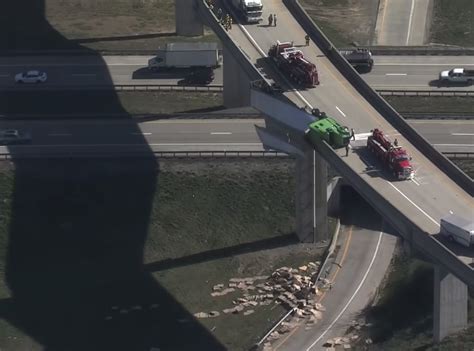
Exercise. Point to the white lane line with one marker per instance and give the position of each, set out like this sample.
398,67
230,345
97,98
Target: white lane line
410,20
353,295
414,181
340,111
83,74
101,64
462,134
221,133
423,64
59,134
140,133
419,208
395,74
264,54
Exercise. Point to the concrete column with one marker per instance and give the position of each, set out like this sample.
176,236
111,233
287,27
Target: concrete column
450,304
236,82
311,197
188,23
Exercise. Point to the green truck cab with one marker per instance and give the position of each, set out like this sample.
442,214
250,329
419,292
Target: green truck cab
326,128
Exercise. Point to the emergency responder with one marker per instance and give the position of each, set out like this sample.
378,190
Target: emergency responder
270,20
347,150
306,39
353,134
395,142
275,20
219,13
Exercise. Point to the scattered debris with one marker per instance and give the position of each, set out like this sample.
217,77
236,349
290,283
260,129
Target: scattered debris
201,315
246,313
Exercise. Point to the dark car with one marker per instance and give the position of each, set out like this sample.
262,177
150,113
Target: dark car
200,76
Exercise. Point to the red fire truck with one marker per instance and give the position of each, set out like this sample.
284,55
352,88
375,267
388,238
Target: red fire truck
392,155
292,62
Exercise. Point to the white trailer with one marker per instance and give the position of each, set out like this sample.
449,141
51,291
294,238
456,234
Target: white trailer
251,10
458,229
185,55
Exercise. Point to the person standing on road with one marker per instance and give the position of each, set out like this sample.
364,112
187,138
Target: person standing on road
306,39
275,20
270,20
353,134
347,150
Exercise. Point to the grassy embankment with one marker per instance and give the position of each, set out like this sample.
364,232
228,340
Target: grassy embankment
85,241
402,316
453,22
438,104
101,24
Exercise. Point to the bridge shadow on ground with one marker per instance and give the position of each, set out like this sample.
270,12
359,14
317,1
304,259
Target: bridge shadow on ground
72,238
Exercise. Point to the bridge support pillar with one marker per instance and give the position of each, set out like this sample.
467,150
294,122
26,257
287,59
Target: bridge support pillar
188,23
311,197
236,82
450,304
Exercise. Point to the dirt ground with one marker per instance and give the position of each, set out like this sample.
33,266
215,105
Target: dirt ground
345,21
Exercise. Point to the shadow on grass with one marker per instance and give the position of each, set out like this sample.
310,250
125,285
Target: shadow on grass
266,244
124,37
76,232
407,302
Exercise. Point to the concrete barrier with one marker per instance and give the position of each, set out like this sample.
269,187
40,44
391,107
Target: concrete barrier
417,50
421,240
376,100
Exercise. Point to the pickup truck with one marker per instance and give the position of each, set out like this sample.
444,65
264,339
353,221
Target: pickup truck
457,75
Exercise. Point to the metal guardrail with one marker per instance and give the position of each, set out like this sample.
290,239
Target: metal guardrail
120,87
146,154
217,88
418,93
177,154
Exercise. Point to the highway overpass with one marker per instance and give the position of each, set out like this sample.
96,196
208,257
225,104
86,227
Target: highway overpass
389,73
414,207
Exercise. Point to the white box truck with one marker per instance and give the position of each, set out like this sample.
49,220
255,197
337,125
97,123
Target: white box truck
185,55
251,10
458,229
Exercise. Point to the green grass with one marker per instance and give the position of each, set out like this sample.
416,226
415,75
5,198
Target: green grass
453,22
439,104
106,102
81,238
94,24
402,317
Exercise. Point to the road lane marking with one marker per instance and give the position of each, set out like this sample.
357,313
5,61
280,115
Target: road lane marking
84,74
395,74
59,134
419,208
467,145
414,181
221,133
462,134
353,295
138,144
410,20
340,111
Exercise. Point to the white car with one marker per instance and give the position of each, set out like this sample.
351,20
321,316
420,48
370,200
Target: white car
13,136
31,77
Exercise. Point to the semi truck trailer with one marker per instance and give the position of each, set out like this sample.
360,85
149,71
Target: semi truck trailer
185,55
458,229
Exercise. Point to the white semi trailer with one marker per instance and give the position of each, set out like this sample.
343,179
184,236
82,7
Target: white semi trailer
458,229
185,55
251,10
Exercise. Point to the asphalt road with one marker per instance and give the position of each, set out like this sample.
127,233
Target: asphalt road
389,72
194,135
402,22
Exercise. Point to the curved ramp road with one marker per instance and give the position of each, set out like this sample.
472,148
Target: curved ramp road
389,72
